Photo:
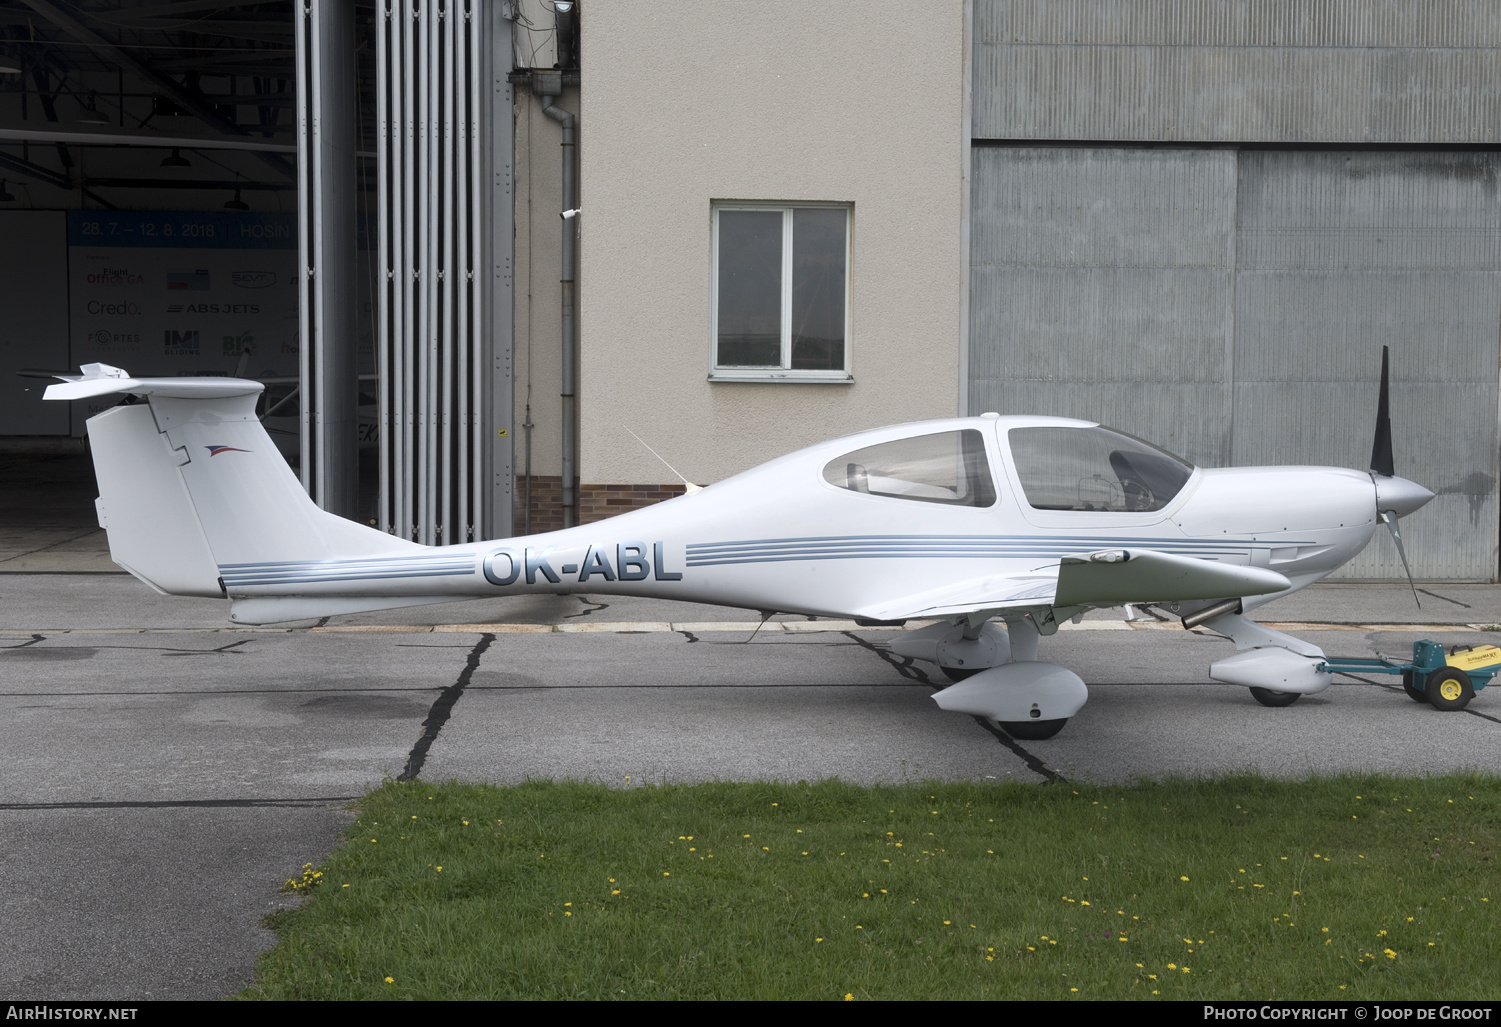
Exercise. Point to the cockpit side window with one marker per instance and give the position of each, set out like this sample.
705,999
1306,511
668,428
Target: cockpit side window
948,467
1068,468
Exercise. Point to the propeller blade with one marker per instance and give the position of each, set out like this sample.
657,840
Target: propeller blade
1381,448
1390,520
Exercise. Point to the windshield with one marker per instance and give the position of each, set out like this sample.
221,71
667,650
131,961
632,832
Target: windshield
1070,468
948,467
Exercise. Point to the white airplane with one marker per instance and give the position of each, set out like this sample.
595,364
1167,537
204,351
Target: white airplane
1029,521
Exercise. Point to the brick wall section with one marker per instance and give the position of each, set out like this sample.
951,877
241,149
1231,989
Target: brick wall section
596,502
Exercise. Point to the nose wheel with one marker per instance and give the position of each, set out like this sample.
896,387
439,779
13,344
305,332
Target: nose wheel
1267,697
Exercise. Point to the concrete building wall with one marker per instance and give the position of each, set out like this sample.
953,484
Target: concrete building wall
851,101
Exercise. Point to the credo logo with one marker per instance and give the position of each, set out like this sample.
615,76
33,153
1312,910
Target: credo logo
128,307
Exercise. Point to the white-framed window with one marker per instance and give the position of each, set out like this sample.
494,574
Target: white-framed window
781,308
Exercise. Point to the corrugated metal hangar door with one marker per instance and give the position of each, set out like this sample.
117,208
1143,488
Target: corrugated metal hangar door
1232,305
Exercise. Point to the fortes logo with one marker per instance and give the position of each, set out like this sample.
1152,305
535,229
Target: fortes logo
104,337
194,281
181,344
115,276
253,279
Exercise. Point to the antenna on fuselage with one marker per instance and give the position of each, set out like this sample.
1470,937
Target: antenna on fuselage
689,487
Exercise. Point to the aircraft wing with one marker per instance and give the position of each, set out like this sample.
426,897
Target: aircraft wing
1105,578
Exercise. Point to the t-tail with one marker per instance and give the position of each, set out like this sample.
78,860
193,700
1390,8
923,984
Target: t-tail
195,499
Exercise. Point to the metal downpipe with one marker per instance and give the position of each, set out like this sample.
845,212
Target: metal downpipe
566,277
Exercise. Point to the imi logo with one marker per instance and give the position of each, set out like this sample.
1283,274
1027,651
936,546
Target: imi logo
181,344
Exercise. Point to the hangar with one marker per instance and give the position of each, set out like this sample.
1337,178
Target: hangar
1197,223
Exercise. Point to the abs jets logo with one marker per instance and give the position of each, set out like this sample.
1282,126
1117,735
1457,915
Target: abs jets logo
633,562
216,450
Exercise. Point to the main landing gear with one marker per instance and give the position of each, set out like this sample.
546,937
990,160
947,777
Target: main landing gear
997,676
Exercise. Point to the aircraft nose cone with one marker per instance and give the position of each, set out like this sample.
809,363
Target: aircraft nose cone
1399,495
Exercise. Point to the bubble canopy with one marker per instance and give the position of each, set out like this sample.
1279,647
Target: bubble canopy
1094,469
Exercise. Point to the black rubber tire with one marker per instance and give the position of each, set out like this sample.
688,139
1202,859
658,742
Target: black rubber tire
960,673
1032,730
1449,688
1267,697
1414,693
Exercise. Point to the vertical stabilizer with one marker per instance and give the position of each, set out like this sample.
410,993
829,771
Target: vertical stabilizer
144,505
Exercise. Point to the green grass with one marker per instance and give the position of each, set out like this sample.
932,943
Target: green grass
1341,888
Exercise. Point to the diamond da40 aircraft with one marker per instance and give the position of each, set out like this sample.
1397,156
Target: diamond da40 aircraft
994,528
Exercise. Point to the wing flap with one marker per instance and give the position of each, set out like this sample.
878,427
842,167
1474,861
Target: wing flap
1031,590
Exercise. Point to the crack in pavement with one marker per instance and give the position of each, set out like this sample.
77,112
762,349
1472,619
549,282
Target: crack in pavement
591,609
907,669
441,709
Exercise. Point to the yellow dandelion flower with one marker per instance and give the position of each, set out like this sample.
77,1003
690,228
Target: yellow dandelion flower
390,980
1182,878
849,998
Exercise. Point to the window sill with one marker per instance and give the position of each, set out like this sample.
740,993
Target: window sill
784,377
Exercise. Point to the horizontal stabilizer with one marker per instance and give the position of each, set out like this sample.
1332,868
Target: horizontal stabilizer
104,380
1148,576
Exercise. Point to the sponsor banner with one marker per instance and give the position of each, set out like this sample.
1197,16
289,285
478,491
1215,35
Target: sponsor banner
182,294
226,230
